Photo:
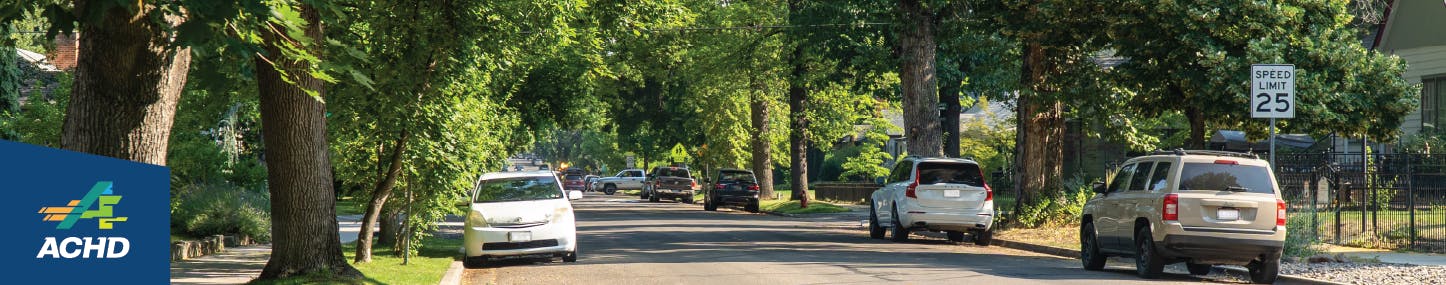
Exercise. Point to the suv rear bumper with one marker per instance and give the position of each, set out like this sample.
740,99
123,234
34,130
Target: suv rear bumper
940,219
673,194
737,200
1219,247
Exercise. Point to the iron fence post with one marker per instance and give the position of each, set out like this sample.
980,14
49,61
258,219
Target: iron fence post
1411,200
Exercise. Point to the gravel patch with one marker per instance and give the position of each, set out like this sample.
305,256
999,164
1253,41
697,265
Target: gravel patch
1367,273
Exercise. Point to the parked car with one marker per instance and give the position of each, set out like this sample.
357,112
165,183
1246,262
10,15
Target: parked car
933,194
573,179
670,182
519,214
517,168
626,179
1203,208
587,183
733,187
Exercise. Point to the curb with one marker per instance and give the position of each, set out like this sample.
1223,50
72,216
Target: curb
453,276
1072,253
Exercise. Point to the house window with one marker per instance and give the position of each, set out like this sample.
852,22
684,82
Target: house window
1433,101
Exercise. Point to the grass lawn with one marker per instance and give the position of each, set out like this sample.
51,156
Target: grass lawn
350,206
426,267
630,192
791,207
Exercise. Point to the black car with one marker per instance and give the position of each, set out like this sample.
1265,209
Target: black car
733,187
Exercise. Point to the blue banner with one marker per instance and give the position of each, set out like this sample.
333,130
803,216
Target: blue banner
76,218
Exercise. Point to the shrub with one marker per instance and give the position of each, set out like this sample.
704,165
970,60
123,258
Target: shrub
1057,207
1299,240
204,210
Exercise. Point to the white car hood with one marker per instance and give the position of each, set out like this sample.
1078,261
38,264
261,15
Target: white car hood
521,212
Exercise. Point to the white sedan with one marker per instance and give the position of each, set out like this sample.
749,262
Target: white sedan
520,214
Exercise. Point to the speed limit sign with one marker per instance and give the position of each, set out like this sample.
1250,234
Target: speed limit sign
1272,91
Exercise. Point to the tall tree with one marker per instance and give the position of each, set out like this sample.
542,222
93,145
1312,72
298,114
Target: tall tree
303,213
916,51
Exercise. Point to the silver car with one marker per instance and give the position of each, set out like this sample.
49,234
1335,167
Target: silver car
520,214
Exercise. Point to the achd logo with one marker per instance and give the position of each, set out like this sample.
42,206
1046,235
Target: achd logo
96,204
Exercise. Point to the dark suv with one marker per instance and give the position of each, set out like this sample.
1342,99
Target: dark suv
733,187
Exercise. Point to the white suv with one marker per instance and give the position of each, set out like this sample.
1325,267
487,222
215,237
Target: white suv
933,194
1203,208
520,214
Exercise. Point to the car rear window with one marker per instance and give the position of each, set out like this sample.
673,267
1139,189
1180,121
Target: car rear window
956,173
730,176
573,177
1226,177
672,172
518,189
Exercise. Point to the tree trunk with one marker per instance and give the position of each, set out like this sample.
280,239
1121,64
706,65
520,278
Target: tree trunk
798,125
379,196
303,214
128,80
949,91
388,227
1039,135
917,79
1197,127
762,146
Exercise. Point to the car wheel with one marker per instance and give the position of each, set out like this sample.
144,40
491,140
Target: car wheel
644,195
1198,269
1089,248
1148,263
570,257
955,236
1266,270
752,207
709,205
654,198
898,232
876,231
610,189
983,237
473,262
688,200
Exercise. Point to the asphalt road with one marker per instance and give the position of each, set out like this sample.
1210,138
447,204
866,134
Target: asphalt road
625,241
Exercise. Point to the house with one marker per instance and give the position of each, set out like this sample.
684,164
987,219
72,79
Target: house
1412,31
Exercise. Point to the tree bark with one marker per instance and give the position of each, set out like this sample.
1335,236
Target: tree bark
388,226
762,146
798,123
949,91
1040,131
128,80
303,213
918,81
379,195
1197,127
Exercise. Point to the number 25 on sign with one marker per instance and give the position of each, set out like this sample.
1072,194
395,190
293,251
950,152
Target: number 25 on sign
1272,91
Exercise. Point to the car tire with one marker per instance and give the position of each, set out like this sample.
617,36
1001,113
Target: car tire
644,195
876,231
474,262
1089,251
654,198
955,236
1148,263
898,232
1198,269
983,237
752,207
570,256
688,200
1266,270
709,205
610,189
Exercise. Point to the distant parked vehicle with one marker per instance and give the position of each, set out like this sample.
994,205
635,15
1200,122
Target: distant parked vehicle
933,194
519,214
588,181
670,182
631,179
732,187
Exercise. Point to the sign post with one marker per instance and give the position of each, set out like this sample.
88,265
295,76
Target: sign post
1272,95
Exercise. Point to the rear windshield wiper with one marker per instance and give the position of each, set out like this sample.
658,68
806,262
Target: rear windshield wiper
1237,189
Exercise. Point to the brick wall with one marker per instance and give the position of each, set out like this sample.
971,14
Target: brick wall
63,57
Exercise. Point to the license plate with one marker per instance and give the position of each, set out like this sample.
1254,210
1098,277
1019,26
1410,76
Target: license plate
951,193
519,236
1228,214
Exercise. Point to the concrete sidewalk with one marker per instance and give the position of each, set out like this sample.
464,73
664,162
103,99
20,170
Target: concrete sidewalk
236,265
1388,256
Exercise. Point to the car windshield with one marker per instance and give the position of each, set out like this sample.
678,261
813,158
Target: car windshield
1226,177
518,189
672,172
956,173
735,176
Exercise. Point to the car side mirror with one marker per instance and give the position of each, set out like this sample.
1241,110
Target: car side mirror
574,195
1099,187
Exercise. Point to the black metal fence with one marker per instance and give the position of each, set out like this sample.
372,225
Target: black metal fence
1386,200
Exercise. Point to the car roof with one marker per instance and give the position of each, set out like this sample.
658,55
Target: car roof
735,170
941,159
516,174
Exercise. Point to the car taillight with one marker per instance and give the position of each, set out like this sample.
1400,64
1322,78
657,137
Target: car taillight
753,187
1171,208
909,192
695,184
718,187
988,192
1279,212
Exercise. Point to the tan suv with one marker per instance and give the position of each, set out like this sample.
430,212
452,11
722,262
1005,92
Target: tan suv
1200,207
